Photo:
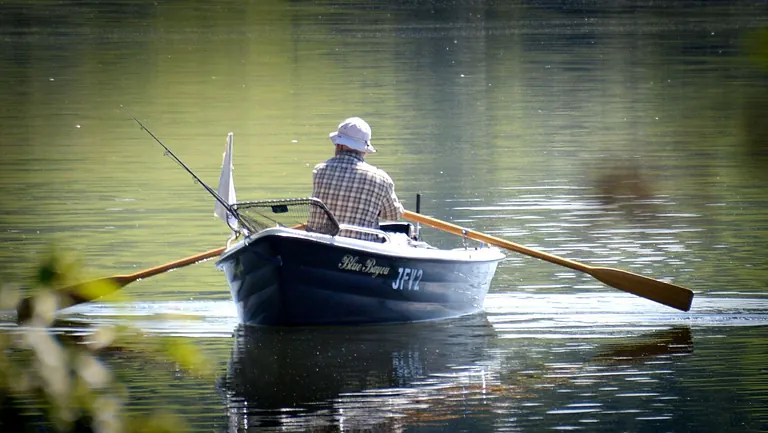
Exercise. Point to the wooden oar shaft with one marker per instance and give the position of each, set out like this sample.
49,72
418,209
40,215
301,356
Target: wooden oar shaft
493,240
172,265
78,293
658,291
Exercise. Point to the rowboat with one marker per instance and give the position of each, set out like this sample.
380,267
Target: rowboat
281,274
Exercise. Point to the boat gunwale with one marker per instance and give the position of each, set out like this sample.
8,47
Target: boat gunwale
395,250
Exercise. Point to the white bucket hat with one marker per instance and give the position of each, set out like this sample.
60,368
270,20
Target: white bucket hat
353,133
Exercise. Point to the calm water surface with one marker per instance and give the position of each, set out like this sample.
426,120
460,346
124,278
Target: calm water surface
628,136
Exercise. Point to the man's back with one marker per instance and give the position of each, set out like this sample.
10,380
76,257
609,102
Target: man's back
356,192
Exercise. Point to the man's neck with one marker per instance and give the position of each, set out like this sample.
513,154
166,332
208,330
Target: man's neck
352,153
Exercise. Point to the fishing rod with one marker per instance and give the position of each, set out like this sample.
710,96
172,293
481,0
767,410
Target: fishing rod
169,152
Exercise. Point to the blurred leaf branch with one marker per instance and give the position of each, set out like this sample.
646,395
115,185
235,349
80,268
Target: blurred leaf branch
52,375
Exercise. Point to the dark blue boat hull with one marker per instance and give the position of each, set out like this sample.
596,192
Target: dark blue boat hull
284,280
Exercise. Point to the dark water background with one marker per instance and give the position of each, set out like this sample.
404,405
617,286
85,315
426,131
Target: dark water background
625,134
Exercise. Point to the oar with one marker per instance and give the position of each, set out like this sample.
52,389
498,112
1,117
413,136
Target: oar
664,293
79,293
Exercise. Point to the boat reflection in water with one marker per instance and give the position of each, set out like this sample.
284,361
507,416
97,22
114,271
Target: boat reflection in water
456,375
352,379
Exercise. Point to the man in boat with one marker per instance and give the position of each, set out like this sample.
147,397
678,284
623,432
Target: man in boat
356,192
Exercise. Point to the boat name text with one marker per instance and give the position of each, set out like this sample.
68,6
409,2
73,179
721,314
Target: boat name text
369,266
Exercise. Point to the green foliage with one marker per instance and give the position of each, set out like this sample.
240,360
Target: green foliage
61,375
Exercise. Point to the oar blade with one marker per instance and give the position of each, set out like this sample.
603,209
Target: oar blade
662,292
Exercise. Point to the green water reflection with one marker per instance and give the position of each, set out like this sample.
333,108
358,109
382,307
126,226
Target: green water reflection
631,135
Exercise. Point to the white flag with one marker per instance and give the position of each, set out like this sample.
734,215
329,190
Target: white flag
226,185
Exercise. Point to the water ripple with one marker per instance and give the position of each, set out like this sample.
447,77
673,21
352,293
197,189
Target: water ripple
512,314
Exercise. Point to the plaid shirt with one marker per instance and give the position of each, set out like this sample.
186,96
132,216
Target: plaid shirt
356,192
